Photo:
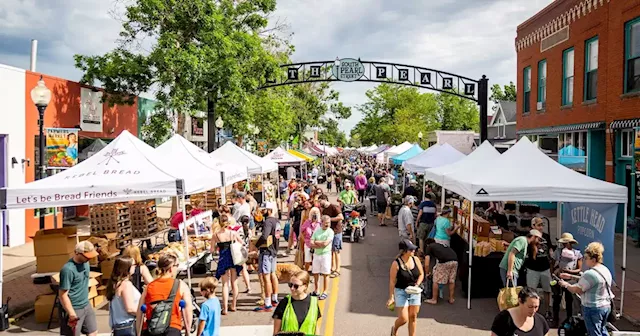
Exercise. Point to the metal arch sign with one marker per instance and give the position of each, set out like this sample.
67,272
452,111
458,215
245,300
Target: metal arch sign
347,70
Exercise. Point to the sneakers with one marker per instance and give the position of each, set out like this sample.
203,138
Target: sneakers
264,309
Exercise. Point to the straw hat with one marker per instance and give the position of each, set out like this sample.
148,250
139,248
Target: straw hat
567,238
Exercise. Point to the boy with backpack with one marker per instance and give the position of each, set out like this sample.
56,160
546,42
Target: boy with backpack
210,313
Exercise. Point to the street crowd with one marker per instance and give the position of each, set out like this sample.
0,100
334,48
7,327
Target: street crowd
424,268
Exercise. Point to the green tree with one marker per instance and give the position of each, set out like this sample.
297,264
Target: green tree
202,48
499,94
157,128
457,113
331,134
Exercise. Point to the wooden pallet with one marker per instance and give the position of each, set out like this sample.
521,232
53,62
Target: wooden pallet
144,220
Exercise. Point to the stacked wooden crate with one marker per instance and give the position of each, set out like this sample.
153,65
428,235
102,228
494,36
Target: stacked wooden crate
112,218
144,218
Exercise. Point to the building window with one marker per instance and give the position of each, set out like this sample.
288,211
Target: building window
632,56
527,90
542,83
591,69
567,77
572,150
626,143
533,137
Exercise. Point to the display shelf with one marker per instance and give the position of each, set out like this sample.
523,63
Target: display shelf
144,219
112,218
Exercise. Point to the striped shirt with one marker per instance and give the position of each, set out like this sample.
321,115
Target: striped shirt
594,287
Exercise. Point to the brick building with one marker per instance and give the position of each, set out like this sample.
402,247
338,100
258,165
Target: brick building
579,85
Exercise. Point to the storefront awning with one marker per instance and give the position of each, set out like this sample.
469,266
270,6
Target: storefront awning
627,123
563,128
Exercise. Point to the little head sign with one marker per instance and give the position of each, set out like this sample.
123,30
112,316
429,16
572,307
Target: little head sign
347,70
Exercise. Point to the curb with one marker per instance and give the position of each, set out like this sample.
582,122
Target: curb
635,322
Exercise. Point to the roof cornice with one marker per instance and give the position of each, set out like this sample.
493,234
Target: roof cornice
580,10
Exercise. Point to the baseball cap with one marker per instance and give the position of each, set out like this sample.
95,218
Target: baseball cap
407,245
535,233
86,249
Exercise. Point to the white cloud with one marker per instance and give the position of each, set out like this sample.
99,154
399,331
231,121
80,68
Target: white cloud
466,37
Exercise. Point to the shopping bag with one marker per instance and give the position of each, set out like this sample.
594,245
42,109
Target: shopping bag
432,233
508,296
427,293
239,253
299,259
287,230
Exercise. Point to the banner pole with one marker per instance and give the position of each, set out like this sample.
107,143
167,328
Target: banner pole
470,255
624,257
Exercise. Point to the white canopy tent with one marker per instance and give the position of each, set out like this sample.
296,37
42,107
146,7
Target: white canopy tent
284,158
434,156
229,152
126,169
196,161
524,173
396,150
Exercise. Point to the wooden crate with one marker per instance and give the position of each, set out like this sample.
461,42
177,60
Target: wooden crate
109,218
144,219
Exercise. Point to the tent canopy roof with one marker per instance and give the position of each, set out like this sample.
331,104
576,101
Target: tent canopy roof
406,155
126,169
302,155
229,152
434,156
524,173
283,158
485,152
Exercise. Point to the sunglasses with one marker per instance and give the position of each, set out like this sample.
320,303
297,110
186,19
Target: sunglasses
294,286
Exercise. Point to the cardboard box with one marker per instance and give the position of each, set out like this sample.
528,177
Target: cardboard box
55,241
43,306
98,300
495,233
94,278
482,239
106,267
102,290
52,263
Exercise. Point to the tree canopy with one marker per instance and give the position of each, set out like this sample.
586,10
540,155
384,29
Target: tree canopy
500,94
396,113
202,49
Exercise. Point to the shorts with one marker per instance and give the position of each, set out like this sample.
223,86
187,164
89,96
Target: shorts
308,255
266,263
537,278
423,230
382,206
445,273
402,299
170,332
336,246
296,229
503,276
321,264
252,223
404,235
86,322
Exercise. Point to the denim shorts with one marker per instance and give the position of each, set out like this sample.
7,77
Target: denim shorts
266,263
337,242
402,299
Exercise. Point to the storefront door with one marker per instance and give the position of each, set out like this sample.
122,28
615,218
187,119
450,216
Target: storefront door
4,172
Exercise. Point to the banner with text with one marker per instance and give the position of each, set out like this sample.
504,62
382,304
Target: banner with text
62,147
90,110
590,222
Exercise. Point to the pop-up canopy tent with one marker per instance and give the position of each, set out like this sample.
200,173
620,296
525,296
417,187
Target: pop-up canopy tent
302,155
434,156
229,152
126,169
93,148
393,151
284,158
524,173
406,155
485,152
195,161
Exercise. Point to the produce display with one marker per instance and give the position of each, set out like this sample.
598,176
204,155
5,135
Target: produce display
197,245
484,248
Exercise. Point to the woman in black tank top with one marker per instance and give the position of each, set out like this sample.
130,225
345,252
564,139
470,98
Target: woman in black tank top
405,275
141,274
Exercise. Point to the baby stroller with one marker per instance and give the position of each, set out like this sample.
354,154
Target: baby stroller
355,232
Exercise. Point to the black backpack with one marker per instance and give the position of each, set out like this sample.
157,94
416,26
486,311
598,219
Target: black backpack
160,319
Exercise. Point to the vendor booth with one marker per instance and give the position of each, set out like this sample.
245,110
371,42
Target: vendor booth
525,174
406,155
286,159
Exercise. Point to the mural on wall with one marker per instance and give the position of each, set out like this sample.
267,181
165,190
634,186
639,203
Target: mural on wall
62,147
90,110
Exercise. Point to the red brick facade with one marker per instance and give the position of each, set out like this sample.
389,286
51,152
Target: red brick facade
606,20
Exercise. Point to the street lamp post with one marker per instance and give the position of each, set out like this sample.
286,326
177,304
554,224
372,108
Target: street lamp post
256,131
41,96
219,126
420,137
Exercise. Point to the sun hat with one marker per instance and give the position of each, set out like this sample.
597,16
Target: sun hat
567,238
537,220
86,249
413,181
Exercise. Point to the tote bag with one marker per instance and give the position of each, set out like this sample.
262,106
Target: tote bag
239,253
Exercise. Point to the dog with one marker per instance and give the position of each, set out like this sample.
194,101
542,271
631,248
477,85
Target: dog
285,271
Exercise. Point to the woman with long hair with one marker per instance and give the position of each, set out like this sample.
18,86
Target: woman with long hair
522,319
306,230
594,287
123,298
159,289
295,218
226,270
405,276
141,275
298,311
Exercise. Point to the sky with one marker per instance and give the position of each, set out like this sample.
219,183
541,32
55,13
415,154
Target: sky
466,37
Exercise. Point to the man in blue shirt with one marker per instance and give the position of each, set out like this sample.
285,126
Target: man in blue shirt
426,218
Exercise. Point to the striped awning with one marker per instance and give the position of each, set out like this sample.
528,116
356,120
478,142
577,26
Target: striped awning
563,128
627,123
